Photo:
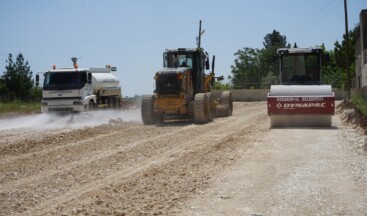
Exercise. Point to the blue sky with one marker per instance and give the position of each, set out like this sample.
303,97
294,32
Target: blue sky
132,35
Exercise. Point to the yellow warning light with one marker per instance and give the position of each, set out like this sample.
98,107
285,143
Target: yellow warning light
76,66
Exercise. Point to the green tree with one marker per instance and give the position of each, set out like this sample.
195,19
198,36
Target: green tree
340,50
272,42
246,70
254,66
334,71
3,92
17,78
332,74
218,85
274,39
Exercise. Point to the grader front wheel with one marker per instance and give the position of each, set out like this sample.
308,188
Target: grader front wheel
147,110
212,106
201,108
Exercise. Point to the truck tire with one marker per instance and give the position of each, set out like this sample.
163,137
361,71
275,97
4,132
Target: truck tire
118,103
147,110
201,109
226,99
91,106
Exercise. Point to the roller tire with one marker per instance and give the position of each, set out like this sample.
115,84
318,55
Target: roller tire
201,107
147,110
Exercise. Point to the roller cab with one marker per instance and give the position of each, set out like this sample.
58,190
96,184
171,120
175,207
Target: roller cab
301,99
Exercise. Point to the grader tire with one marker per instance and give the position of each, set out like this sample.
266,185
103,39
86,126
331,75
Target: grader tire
147,110
190,110
226,99
201,109
211,109
222,111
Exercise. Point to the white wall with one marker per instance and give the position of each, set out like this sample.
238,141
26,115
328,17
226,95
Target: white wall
261,94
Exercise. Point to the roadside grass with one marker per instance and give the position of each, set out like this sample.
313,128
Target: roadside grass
19,107
360,103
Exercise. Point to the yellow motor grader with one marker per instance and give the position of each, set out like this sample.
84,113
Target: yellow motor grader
183,90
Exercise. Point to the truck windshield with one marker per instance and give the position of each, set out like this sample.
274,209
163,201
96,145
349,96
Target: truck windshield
175,60
64,80
303,69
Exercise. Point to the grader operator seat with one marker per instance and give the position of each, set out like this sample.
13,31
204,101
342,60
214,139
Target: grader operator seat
183,64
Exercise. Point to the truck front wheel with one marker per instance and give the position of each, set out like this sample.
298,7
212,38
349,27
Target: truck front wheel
91,105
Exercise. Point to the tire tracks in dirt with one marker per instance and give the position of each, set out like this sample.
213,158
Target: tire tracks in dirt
119,161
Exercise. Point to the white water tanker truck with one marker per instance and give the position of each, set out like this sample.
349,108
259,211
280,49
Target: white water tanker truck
79,89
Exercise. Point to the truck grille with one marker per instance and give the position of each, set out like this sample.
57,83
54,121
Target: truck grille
69,109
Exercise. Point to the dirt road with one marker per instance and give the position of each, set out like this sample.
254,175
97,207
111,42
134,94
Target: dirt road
232,166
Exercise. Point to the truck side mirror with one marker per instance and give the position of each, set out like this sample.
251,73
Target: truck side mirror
89,78
207,64
37,79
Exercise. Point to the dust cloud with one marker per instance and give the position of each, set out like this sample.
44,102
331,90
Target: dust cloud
77,120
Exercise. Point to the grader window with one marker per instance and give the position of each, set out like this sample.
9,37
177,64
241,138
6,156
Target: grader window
175,60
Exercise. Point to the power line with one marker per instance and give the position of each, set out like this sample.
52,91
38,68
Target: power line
317,20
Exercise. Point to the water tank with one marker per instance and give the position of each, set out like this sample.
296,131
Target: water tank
104,80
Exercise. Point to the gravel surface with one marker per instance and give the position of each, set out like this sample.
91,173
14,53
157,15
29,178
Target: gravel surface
109,163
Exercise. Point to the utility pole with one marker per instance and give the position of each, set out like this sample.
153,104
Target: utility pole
199,39
347,48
